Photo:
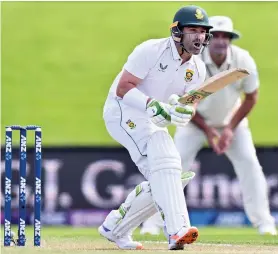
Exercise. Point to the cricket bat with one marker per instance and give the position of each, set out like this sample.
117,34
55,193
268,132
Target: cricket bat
214,84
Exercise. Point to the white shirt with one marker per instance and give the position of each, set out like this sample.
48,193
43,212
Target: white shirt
158,64
218,108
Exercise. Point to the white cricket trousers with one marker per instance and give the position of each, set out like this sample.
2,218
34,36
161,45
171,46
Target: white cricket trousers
132,129
242,154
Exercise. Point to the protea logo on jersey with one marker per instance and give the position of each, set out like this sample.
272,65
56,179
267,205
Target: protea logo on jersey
131,124
188,75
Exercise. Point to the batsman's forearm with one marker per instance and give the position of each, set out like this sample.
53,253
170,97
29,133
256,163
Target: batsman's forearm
243,110
199,121
123,88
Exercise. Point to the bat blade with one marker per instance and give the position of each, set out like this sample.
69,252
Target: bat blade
214,84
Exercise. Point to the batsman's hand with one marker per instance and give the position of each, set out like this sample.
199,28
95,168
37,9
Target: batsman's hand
159,113
181,114
163,114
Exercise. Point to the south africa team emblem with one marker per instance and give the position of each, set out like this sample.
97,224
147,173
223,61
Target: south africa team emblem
131,124
188,75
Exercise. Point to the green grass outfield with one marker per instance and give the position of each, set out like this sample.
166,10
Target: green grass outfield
87,240
60,58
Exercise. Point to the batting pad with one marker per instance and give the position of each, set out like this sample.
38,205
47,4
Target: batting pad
139,206
165,181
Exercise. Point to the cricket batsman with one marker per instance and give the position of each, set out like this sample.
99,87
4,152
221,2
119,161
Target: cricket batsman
136,114
221,120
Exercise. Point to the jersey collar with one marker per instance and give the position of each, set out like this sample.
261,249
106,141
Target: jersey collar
175,53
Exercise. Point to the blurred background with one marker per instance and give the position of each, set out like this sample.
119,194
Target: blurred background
58,62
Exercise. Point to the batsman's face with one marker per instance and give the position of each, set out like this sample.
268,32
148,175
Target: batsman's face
193,39
219,43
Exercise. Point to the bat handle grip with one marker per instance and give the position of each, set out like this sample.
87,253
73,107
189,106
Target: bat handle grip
174,99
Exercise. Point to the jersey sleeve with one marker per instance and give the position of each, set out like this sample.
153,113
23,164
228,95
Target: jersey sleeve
251,82
140,61
203,73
